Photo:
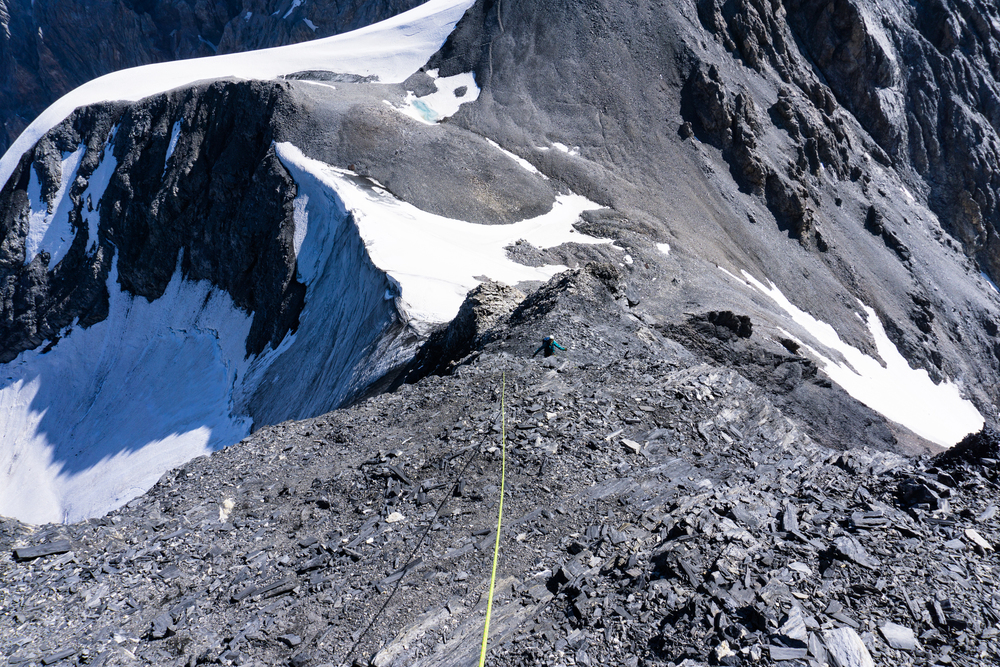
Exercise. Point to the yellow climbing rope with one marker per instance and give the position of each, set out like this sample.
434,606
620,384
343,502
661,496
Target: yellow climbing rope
496,547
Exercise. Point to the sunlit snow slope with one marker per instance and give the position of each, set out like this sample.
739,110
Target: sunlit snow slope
887,385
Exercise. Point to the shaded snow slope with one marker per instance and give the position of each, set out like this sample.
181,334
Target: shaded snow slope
49,227
97,419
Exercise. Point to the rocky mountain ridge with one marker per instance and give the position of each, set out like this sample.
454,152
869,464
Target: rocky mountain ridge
695,480
660,512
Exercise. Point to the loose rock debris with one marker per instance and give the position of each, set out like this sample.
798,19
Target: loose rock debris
661,512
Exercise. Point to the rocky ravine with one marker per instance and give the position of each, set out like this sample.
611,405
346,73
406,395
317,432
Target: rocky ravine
660,511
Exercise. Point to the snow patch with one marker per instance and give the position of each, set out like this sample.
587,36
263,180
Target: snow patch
517,158
664,248
445,102
436,259
98,183
391,50
51,231
246,17
208,44
295,5
309,24
175,134
992,284
575,151
905,395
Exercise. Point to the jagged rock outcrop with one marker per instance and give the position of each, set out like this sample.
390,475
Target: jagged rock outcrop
220,193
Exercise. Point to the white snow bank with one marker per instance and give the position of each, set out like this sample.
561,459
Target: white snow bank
437,260
982,274
517,158
95,421
905,395
50,230
445,101
391,50
575,151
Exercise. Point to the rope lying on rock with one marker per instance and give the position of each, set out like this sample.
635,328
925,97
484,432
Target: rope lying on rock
437,513
496,547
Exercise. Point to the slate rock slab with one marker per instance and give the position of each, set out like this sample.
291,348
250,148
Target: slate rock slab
851,549
846,648
899,637
50,549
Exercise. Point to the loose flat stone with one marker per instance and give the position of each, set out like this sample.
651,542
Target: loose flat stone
50,549
57,656
632,445
846,648
794,626
851,549
899,637
787,653
976,538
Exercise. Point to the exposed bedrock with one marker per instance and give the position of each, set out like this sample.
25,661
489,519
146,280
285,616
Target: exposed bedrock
816,113
220,194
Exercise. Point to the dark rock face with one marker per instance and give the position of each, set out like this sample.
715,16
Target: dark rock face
924,83
484,307
49,47
222,195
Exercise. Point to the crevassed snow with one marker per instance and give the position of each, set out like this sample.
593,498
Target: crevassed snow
96,186
436,259
517,158
905,395
444,102
391,50
99,418
51,231
175,133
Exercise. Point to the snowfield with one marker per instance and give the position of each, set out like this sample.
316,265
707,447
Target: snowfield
95,421
433,259
888,386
